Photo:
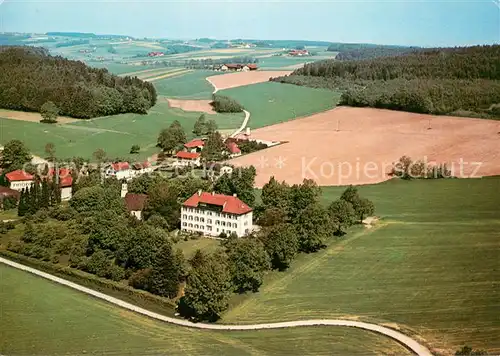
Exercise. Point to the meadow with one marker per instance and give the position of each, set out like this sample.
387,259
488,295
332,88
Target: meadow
430,265
70,322
271,103
115,134
192,85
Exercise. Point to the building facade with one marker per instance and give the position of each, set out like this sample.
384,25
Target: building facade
18,180
212,214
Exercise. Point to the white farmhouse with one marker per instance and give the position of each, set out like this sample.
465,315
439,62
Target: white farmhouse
212,214
120,170
18,180
184,159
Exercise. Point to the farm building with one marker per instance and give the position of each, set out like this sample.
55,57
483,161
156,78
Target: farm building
212,214
140,168
135,204
120,170
65,182
185,159
156,54
299,52
236,67
195,145
19,179
233,149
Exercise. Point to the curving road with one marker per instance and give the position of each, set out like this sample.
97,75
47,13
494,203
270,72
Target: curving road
247,114
410,343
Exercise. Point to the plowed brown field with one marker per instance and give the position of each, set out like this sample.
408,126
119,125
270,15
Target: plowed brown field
368,142
238,79
192,105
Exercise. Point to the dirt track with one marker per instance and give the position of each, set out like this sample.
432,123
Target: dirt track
367,143
192,105
238,79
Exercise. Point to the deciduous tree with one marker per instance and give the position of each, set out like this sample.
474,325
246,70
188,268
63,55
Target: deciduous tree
167,271
282,245
49,112
14,156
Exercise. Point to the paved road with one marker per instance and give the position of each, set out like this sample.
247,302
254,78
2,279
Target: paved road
411,344
247,114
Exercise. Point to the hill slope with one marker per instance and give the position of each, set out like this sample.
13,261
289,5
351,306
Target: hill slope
31,77
458,81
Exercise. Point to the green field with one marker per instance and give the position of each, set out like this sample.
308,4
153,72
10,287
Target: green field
189,247
39,317
271,103
115,134
431,264
187,86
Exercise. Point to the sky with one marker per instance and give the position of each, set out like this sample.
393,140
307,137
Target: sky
403,22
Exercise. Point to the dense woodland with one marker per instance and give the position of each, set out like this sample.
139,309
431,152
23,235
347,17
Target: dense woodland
31,77
458,81
374,52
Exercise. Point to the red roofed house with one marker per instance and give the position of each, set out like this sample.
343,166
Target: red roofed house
120,170
195,145
212,214
65,182
18,180
142,168
233,149
187,159
135,204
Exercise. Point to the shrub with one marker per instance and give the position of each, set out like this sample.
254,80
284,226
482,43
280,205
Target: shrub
223,104
135,149
9,203
141,279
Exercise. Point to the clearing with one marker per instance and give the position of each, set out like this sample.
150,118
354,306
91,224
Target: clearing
192,105
84,325
31,116
115,134
238,79
192,85
430,265
366,144
272,103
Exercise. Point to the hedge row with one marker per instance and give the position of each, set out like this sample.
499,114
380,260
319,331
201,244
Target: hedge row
126,293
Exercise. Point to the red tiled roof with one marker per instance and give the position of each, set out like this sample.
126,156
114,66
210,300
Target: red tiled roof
120,166
232,65
194,143
233,147
187,155
7,192
63,172
135,202
229,204
66,181
252,66
19,175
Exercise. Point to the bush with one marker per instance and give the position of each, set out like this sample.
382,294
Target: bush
141,279
224,104
135,149
9,203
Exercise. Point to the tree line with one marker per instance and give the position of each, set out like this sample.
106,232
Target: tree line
225,104
31,77
458,81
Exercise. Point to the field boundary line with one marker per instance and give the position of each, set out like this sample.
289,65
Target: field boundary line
405,340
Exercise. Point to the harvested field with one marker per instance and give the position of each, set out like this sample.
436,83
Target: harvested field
367,143
192,105
233,80
31,116
168,74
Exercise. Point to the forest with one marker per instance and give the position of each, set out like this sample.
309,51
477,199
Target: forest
374,52
452,81
31,77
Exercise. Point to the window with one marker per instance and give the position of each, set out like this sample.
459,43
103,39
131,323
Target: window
190,217
196,226
209,228
196,218
202,219
235,226
190,225
184,223
209,221
184,216
246,223
223,223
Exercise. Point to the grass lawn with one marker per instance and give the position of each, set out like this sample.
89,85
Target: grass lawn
42,318
8,214
431,264
189,247
271,103
192,85
115,134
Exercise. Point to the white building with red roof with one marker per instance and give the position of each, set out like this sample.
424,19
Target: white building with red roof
233,149
19,179
120,170
65,182
195,145
185,159
212,214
